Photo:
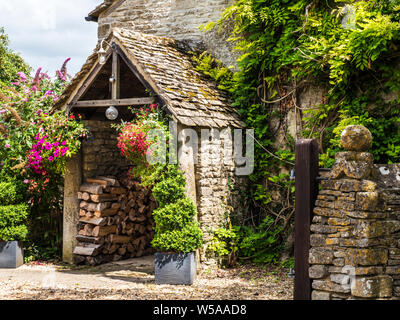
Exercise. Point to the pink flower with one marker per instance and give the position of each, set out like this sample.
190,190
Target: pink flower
51,158
26,181
7,146
22,76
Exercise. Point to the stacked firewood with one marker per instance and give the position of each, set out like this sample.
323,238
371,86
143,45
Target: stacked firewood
115,220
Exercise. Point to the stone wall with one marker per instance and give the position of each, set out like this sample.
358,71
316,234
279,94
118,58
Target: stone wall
217,186
100,155
355,240
178,19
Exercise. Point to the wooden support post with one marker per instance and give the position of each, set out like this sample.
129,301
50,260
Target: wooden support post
116,75
306,171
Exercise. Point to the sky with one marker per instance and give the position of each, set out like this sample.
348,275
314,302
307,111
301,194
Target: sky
46,32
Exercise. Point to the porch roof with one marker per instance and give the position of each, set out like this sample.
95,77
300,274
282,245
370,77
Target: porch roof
192,98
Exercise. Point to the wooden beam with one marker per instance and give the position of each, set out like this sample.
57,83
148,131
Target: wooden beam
116,102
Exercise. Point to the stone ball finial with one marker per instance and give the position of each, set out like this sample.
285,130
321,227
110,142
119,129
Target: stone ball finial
356,138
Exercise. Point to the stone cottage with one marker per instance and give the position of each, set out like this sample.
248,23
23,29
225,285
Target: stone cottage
138,69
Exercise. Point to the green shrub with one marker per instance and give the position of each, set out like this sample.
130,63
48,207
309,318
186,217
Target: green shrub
13,222
187,239
176,230
14,233
259,245
169,191
174,215
10,193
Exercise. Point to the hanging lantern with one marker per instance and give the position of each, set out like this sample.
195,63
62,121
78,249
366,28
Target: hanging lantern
111,113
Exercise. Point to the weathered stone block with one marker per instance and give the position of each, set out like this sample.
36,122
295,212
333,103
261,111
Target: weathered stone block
319,219
344,205
357,169
325,204
320,295
320,228
371,229
366,257
320,256
338,222
373,287
331,241
328,285
326,197
367,201
318,271
350,185
317,240
367,214
326,212
338,262
331,184
393,270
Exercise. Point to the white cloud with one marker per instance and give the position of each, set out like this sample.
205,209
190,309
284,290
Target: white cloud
47,32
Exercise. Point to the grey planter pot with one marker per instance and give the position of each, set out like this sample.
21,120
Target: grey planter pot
175,268
11,254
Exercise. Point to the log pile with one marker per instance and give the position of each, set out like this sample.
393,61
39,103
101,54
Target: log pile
115,220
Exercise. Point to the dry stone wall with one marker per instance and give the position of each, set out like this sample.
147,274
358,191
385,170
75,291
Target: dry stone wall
355,240
100,154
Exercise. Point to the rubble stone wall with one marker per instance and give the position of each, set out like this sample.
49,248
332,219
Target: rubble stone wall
355,240
217,185
100,154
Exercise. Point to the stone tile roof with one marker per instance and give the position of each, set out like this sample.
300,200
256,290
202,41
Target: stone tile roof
192,98
100,8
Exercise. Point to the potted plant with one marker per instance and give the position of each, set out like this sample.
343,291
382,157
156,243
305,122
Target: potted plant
177,234
13,230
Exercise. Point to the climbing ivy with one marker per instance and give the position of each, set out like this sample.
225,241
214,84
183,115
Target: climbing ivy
348,49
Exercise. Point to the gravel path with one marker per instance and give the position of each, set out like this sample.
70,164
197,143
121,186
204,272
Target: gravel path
134,280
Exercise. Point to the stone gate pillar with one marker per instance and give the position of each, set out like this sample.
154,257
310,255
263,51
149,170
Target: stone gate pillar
350,229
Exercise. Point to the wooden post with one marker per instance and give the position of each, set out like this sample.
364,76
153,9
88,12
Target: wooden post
306,171
116,74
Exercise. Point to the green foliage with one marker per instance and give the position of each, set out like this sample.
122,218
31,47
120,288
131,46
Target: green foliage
169,190
187,239
10,193
14,233
175,228
224,241
261,244
174,215
13,222
286,45
25,105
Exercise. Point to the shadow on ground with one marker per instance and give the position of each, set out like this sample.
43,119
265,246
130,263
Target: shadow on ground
138,270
